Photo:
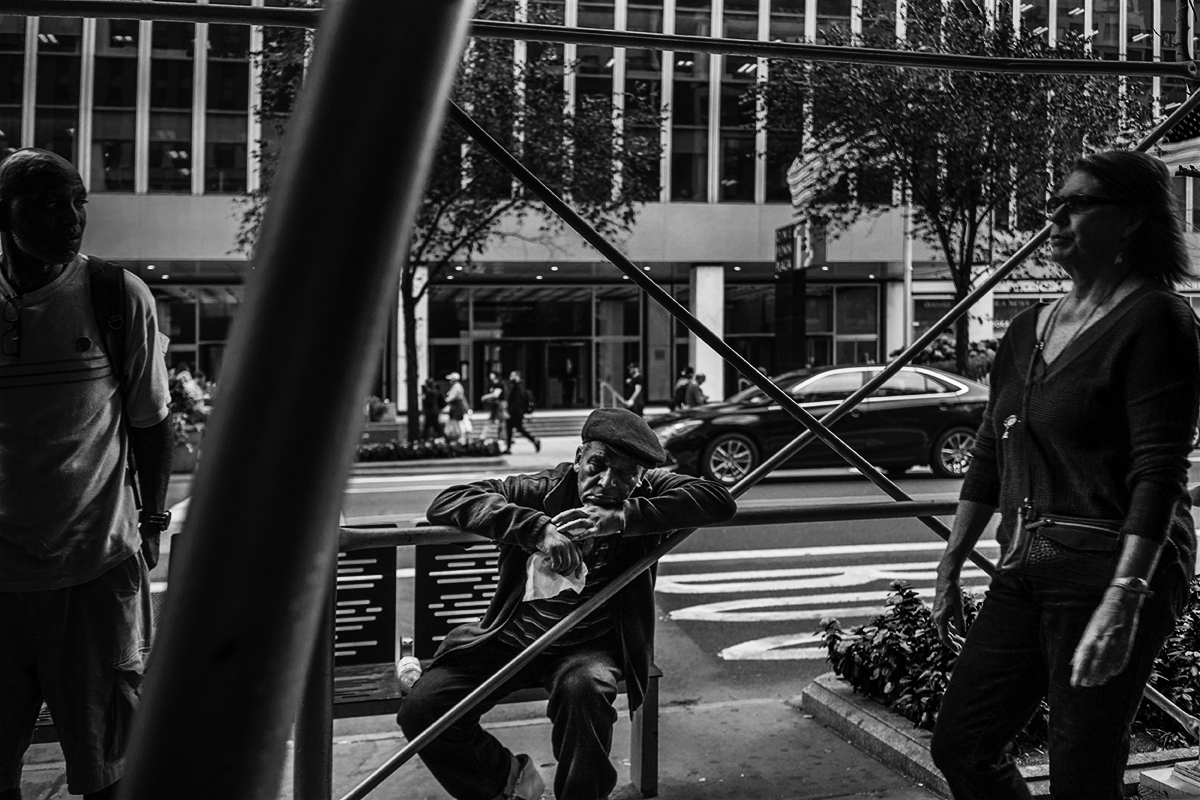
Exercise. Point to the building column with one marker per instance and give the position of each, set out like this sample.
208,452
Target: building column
895,337
980,318
707,296
422,336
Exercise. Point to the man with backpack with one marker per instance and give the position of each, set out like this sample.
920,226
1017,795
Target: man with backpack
520,404
83,387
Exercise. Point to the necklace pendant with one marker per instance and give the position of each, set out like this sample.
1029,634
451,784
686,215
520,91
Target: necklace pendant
1009,421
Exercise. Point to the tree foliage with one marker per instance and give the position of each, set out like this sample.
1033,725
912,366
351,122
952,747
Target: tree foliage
605,160
972,148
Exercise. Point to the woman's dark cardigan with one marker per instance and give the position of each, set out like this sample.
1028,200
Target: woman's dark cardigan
1113,419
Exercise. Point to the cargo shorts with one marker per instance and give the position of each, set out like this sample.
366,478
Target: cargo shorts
82,650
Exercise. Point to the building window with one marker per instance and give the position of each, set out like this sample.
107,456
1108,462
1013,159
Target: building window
1070,18
690,107
831,13
173,46
114,99
226,109
56,117
198,320
12,75
737,129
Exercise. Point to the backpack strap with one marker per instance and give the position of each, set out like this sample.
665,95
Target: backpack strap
107,284
108,304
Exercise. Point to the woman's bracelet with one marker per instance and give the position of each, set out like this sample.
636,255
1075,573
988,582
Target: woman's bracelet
1132,585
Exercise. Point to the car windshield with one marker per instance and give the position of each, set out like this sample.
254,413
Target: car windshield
756,396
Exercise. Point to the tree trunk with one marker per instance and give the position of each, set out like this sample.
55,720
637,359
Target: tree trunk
412,389
962,342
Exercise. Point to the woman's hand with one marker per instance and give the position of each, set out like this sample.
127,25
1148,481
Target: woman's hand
1104,649
948,612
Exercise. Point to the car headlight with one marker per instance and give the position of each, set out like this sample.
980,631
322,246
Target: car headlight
676,429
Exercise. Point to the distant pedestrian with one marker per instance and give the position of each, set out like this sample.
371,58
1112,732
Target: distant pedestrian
495,403
520,404
635,390
695,396
679,391
458,426
431,406
570,377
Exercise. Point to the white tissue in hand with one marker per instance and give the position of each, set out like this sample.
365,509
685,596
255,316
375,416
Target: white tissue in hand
542,582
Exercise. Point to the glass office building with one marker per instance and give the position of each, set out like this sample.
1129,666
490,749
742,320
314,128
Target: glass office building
158,118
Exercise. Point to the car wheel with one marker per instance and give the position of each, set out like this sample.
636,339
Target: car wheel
729,458
951,454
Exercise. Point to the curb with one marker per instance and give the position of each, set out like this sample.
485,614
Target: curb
415,466
899,744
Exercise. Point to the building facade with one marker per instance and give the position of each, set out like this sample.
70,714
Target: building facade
158,118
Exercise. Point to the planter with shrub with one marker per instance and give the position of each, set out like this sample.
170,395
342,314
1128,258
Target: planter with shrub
426,449
898,661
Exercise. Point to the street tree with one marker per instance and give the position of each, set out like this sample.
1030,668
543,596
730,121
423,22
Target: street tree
976,152
602,155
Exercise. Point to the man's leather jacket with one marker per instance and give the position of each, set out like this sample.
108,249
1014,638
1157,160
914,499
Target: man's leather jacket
512,512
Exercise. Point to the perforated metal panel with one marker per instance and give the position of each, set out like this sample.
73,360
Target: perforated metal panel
365,622
456,583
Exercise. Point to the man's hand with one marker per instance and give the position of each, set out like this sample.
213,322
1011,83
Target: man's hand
564,555
1104,649
948,612
151,545
591,522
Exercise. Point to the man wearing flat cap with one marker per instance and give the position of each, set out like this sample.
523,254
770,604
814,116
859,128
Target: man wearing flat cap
563,534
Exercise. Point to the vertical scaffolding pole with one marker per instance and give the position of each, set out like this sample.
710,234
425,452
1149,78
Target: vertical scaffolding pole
237,639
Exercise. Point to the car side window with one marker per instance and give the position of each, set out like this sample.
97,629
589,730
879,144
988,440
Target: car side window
939,387
905,382
835,386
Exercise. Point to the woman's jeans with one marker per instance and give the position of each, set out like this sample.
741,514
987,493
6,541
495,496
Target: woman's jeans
1018,651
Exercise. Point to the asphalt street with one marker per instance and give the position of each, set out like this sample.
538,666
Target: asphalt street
744,602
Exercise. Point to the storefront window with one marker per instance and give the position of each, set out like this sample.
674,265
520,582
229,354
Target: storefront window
618,311
927,311
447,312
518,313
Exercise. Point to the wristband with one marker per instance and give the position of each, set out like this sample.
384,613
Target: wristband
1132,585
161,520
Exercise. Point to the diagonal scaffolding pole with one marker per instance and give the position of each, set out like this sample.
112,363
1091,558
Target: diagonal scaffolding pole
951,316
307,18
244,613
815,429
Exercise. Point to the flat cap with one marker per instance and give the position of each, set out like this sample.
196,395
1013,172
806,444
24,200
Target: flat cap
626,431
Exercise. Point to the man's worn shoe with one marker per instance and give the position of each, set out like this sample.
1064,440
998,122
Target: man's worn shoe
527,783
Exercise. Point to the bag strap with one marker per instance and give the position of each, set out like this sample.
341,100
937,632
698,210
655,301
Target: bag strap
107,286
108,305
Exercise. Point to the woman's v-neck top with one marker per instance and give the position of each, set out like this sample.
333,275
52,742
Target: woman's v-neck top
1111,422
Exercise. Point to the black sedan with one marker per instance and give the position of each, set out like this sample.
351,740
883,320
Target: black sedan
920,416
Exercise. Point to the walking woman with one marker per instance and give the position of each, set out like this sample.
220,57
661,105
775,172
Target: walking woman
1084,449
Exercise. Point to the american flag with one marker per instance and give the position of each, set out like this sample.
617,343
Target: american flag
802,175
1180,147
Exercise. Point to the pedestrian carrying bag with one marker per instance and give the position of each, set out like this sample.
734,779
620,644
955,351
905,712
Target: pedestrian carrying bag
1049,545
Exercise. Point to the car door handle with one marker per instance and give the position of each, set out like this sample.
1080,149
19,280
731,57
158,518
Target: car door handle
856,413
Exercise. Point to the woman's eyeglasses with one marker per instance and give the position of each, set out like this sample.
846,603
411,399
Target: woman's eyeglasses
1075,203
12,334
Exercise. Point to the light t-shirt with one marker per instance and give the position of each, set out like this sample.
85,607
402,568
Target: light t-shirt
67,511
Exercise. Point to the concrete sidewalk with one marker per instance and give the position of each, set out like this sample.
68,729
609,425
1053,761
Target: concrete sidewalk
766,749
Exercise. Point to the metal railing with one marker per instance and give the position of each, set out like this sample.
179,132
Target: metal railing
350,180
